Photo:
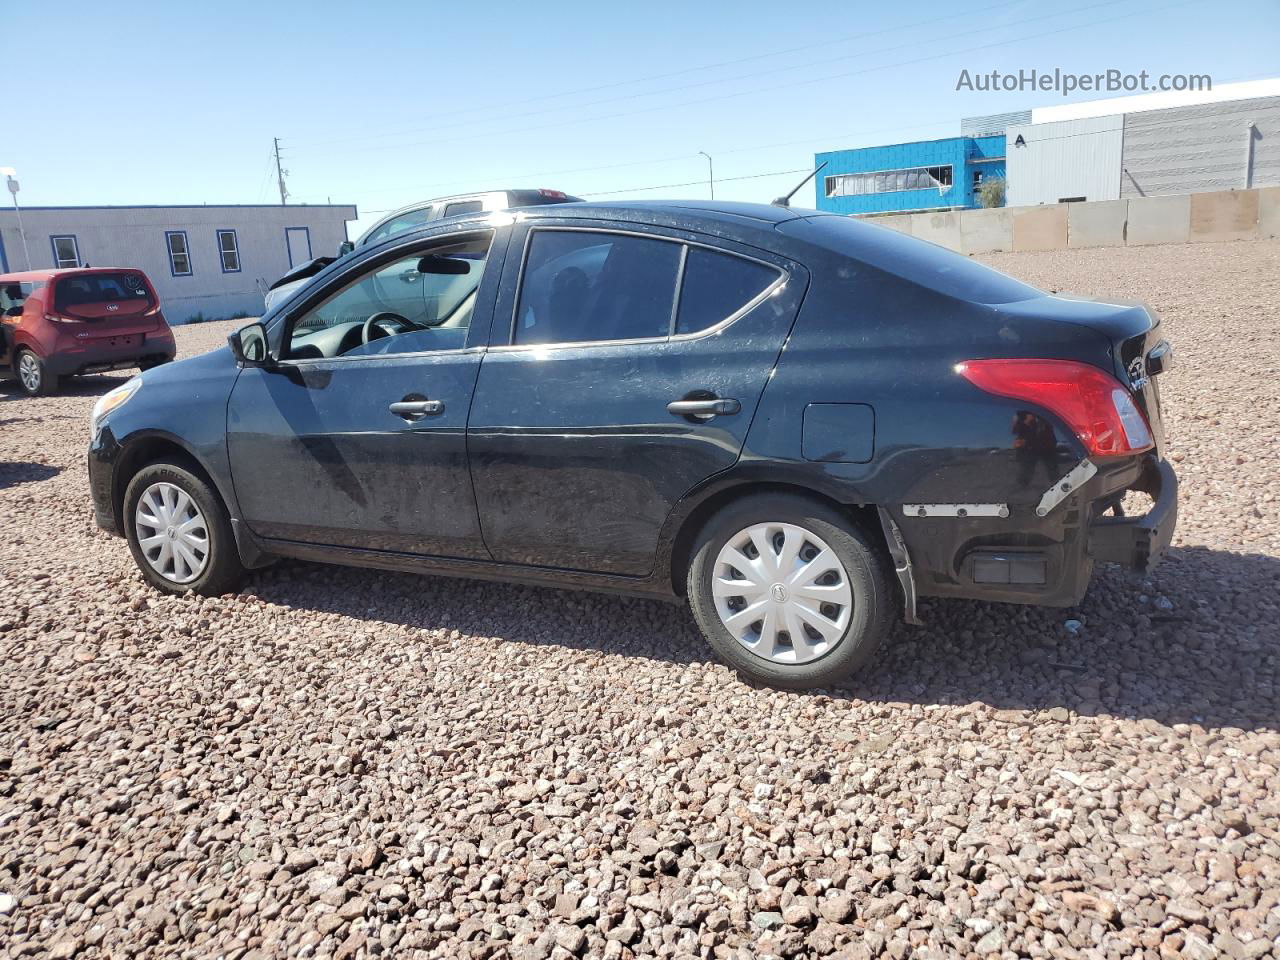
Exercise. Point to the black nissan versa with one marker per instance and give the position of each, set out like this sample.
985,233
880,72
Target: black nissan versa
801,423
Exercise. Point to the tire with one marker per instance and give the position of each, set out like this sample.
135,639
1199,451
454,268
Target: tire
852,568
33,374
218,569
146,365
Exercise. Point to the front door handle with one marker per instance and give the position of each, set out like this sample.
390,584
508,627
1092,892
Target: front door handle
714,407
413,410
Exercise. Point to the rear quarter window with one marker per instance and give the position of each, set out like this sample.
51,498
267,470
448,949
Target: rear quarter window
916,261
718,285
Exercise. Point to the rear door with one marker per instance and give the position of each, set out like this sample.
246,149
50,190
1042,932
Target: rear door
576,455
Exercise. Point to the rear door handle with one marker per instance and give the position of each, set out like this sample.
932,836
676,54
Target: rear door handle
412,410
715,407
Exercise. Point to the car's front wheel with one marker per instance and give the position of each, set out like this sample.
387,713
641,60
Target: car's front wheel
789,592
33,374
179,532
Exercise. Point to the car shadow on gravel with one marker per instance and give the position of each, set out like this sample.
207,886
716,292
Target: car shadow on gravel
69,387
1195,643
13,474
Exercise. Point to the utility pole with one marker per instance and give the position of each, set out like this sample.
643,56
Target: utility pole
280,172
11,181
711,174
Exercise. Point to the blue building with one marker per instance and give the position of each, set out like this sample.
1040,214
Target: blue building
926,175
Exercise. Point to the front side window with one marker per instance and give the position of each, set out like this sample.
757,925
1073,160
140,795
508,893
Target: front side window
718,285
229,251
66,252
179,253
417,302
581,286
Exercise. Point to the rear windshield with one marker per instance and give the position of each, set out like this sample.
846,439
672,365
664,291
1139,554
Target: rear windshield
926,264
78,290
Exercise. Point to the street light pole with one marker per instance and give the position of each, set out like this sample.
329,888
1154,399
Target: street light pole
12,183
711,174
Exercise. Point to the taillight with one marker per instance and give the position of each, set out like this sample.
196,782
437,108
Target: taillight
1092,403
553,194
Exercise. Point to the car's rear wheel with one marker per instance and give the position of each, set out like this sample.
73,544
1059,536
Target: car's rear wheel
179,532
788,592
33,374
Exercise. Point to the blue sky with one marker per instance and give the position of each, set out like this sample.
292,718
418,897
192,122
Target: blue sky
381,104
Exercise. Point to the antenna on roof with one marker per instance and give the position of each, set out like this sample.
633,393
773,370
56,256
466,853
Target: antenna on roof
786,201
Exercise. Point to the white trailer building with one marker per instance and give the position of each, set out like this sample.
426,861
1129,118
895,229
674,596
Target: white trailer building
205,262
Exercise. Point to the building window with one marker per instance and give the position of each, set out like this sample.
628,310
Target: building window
179,253
889,181
229,251
66,252
977,179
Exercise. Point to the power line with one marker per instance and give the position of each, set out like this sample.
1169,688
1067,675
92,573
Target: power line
506,105
799,83
699,183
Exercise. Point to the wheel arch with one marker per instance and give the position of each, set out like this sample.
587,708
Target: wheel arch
696,515
140,451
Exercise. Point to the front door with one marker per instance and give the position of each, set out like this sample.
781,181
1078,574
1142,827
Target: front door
357,437
576,452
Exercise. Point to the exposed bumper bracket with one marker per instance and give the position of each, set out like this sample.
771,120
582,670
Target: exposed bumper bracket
1079,475
1138,542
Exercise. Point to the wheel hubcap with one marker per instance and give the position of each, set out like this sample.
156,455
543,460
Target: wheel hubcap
782,593
29,371
172,532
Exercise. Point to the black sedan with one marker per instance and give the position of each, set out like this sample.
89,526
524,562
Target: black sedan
799,422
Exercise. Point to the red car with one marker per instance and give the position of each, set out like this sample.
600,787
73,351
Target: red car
62,323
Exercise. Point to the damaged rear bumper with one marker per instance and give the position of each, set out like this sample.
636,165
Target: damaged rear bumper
1139,542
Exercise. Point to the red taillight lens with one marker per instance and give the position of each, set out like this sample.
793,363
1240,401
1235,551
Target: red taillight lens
1092,403
553,194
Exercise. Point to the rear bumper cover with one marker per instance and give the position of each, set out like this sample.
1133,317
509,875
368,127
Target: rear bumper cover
89,357
1139,542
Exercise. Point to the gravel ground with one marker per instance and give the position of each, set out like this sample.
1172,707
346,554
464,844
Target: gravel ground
347,763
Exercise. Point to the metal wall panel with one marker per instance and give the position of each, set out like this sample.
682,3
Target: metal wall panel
1201,148
1072,158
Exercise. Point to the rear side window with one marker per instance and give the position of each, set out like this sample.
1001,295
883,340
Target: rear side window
406,221
463,206
76,291
581,286
716,286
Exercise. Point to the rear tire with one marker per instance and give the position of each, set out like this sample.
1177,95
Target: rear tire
33,374
146,365
818,576
179,532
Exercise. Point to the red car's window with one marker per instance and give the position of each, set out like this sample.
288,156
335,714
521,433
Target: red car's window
75,291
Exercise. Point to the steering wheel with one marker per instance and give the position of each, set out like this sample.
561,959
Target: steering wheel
374,323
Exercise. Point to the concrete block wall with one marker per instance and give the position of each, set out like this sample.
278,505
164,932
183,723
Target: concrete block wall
1137,221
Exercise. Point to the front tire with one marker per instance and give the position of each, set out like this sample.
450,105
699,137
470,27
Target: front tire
179,532
33,373
789,592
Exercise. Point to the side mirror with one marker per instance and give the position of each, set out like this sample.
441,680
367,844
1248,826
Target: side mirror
345,247
249,346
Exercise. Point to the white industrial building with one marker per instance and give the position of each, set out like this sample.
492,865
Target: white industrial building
205,261
1147,145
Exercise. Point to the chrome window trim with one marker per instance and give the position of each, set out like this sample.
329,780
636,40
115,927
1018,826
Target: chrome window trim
315,361
716,328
